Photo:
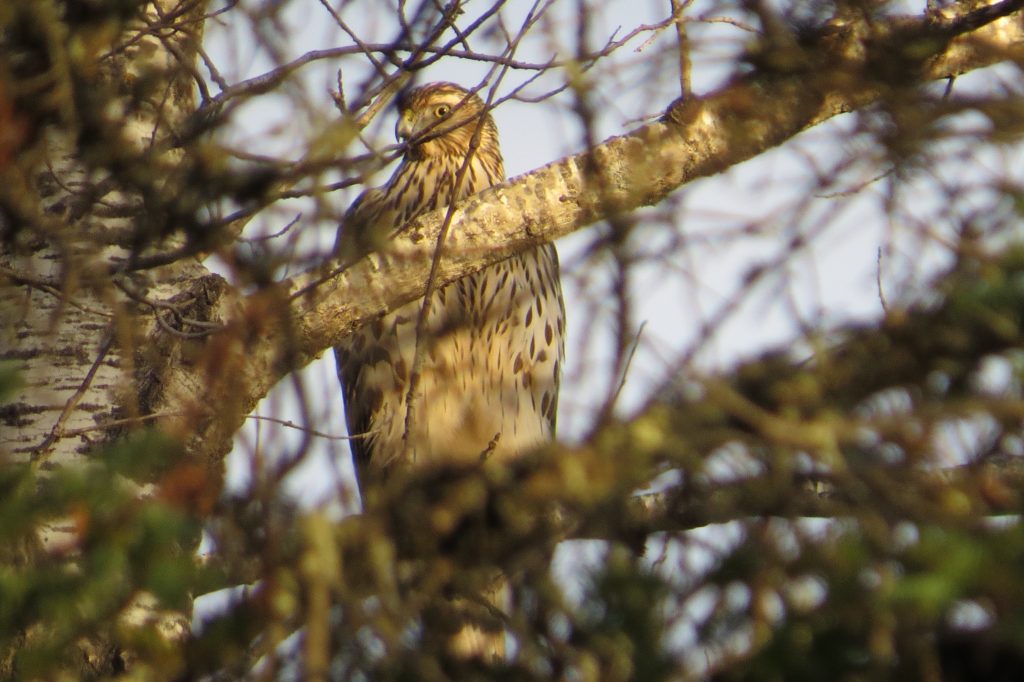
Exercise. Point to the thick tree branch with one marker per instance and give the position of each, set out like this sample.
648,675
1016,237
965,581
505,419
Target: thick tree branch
840,70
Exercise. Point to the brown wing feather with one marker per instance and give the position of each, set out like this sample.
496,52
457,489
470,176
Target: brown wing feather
358,411
354,241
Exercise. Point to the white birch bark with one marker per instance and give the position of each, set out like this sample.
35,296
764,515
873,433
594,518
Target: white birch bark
91,357
69,327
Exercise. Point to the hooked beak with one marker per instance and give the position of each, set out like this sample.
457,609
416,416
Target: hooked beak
405,127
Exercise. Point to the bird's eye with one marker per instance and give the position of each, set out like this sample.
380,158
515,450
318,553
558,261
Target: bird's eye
442,110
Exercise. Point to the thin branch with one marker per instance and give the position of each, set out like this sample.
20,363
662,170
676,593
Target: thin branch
981,17
40,453
629,362
678,7
51,287
694,139
119,423
305,429
157,307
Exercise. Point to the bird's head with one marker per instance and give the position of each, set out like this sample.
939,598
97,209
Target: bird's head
439,119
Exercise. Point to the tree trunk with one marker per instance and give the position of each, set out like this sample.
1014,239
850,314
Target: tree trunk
92,92
98,179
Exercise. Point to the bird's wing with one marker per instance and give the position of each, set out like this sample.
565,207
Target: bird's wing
358,408
356,234
356,237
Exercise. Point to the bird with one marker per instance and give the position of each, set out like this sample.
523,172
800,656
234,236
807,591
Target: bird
493,342
495,339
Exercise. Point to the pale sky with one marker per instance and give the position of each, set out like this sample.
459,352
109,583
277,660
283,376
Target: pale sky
744,218
731,223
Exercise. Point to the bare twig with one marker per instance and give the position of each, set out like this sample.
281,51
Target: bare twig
205,326
678,7
40,453
313,432
629,361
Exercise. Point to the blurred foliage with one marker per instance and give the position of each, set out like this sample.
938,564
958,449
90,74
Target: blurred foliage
51,597
911,570
9,379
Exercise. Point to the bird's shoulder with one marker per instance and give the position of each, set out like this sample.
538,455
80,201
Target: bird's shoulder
358,232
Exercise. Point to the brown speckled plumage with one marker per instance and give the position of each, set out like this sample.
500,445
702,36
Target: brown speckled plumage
494,346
